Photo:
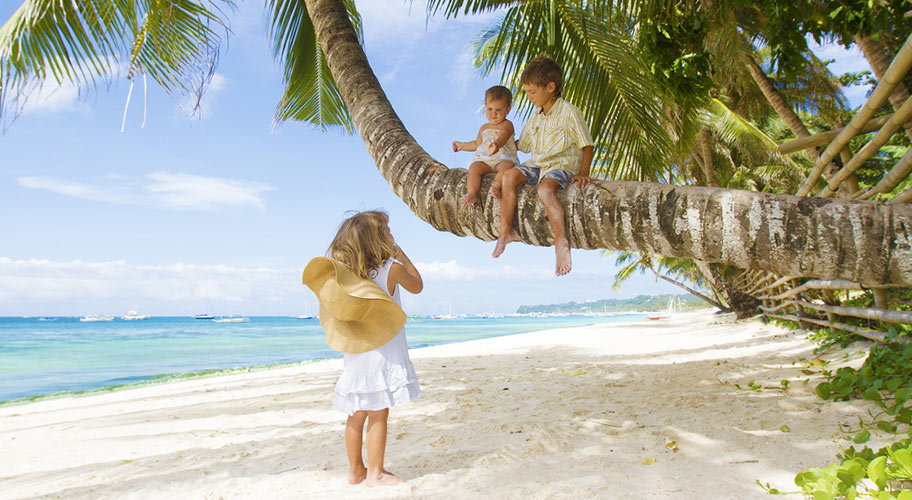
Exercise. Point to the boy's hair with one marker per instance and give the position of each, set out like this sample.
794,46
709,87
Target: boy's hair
499,93
541,71
362,243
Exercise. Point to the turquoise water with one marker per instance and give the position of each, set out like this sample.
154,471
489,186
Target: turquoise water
41,357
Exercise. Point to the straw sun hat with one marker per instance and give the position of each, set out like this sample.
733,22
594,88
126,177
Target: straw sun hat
356,314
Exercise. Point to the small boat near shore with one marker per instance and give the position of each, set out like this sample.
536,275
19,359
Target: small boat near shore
133,316
90,318
672,305
231,319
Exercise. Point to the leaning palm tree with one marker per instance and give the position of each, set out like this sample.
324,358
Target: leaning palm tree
867,242
633,262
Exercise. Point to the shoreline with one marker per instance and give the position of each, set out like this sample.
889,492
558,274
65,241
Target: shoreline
645,409
165,378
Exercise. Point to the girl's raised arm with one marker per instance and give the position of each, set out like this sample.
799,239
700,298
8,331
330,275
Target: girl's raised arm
403,273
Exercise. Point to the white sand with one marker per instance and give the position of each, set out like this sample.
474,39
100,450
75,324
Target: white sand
561,414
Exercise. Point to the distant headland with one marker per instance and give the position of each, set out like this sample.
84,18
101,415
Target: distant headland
638,303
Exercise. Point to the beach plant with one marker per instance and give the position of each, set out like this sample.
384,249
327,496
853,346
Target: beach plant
883,379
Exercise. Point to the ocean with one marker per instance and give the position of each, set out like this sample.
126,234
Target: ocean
46,357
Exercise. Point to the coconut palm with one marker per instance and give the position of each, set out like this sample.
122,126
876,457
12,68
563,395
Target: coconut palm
782,234
632,262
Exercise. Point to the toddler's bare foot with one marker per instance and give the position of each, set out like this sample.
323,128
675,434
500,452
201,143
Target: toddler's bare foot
356,476
562,257
385,478
502,243
469,199
495,191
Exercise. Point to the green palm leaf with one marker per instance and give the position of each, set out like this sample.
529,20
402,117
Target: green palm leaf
84,41
310,91
739,132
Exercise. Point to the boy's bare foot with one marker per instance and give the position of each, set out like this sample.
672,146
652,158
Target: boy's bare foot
469,199
495,191
385,478
562,257
502,243
356,476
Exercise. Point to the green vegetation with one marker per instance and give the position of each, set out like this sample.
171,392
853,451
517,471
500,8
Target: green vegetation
885,379
638,303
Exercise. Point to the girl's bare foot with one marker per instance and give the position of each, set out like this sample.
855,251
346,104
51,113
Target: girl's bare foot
385,478
356,476
502,243
495,191
562,257
469,199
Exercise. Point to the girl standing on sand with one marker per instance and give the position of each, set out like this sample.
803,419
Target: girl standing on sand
377,378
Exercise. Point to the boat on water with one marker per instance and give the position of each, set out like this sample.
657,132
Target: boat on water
231,319
672,305
208,315
306,314
133,316
89,318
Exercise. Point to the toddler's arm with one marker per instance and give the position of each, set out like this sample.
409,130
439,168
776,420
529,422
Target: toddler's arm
506,132
467,146
404,273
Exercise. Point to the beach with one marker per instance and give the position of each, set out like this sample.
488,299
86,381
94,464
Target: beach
691,406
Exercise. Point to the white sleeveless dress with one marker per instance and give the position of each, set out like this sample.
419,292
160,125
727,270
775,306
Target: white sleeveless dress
379,378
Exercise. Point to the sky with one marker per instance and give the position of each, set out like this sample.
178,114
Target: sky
178,215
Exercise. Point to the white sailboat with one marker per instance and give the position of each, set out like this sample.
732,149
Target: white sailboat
672,305
231,319
305,315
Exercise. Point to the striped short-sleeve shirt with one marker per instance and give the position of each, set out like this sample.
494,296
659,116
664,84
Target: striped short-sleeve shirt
556,140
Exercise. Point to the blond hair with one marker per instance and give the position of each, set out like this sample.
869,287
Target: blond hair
541,71
362,243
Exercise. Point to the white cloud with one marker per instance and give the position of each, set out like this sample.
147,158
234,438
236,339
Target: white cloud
52,97
163,190
849,60
193,192
46,281
844,60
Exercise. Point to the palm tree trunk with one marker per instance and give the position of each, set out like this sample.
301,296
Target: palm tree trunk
868,242
875,53
743,305
779,104
706,147
690,290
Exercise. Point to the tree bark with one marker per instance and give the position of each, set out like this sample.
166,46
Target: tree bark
706,150
742,304
868,242
778,103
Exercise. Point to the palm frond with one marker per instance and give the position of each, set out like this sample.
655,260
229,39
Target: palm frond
86,41
453,8
748,138
310,93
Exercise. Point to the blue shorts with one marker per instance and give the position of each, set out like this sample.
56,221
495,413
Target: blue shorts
533,175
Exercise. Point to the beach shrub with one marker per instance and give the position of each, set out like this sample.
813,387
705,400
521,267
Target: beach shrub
883,379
